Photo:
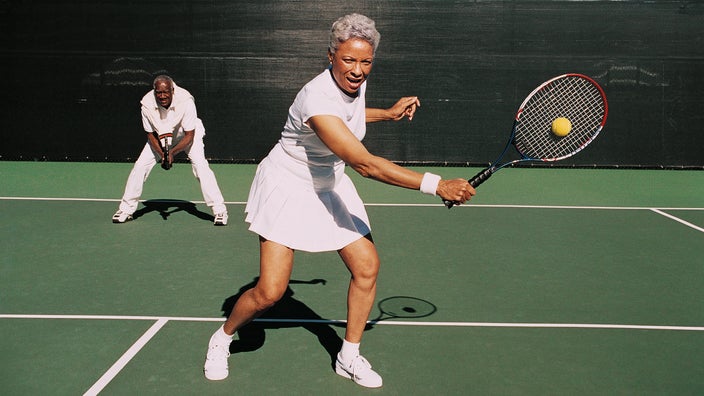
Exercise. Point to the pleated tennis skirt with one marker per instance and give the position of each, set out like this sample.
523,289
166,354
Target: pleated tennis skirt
314,209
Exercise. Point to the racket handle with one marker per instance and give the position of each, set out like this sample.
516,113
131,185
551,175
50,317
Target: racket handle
475,181
165,161
165,164
481,177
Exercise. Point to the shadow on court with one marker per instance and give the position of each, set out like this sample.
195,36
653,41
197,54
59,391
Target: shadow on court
252,336
166,207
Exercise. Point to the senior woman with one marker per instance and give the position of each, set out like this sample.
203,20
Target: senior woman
301,199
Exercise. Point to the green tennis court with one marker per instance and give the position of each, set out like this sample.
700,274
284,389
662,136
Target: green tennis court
552,281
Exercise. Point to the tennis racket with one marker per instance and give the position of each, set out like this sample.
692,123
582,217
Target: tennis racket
165,142
575,97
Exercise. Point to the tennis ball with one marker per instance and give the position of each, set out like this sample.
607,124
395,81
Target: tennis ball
561,126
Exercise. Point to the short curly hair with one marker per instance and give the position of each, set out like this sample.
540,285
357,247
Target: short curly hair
353,26
162,77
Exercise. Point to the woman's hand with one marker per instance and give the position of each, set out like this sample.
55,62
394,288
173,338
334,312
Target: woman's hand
456,190
405,107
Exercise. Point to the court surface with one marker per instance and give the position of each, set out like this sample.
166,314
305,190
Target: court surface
552,281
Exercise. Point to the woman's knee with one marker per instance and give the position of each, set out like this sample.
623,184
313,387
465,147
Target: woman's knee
266,296
362,260
365,271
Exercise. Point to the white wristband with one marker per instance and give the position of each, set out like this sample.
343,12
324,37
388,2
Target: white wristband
429,185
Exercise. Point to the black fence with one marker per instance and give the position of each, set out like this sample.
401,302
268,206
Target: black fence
74,72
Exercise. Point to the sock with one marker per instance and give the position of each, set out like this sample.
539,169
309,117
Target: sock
349,351
221,336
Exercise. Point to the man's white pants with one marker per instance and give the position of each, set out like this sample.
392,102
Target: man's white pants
201,170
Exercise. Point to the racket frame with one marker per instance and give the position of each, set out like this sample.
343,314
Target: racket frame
493,167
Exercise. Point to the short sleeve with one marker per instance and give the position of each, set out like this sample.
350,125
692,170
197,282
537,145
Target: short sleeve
320,104
148,127
190,116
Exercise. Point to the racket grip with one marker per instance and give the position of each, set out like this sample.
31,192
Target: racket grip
475,181
165,164
481,177
449,204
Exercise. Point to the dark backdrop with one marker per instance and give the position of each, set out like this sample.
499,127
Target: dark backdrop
74,72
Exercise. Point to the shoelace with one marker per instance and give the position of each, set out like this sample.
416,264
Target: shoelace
218,352
359,363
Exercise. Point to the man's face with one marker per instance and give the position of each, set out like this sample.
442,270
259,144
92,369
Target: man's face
164,93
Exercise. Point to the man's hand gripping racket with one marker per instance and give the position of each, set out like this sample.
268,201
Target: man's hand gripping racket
165,143
556,121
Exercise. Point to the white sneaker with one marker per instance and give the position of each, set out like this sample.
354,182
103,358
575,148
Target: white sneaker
360,371
215,367
121,217
220,219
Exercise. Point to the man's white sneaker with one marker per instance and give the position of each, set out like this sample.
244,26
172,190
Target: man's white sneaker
121,217
360,371
215,367
220,219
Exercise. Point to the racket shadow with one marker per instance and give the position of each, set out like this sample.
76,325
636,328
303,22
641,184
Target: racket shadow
286,313
167,207
402,307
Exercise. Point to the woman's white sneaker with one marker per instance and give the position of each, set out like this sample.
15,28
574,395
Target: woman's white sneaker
215,367
360,371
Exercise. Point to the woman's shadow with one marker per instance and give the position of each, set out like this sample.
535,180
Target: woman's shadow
286,313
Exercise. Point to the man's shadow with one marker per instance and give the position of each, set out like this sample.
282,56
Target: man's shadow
252,336
166,207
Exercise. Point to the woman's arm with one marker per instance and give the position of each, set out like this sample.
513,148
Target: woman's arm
405,107
335,134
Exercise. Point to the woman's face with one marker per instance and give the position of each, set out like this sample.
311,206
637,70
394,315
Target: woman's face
351,64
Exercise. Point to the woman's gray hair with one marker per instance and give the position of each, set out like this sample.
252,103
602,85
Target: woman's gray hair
353,26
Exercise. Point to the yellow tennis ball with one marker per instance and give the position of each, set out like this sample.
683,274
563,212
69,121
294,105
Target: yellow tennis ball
561,126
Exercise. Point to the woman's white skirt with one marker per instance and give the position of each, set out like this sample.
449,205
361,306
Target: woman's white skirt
304,207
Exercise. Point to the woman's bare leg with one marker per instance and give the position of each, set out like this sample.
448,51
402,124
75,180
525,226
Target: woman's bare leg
362,260
275,266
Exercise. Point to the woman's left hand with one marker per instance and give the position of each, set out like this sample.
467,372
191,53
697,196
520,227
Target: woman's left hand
405,107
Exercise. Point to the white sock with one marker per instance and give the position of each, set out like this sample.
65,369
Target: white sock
221,336
349,351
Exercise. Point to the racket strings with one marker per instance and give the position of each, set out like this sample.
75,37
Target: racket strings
572,97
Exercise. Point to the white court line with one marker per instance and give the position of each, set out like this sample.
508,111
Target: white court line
125,358
470,205
677,219
500,324
381,322
92,200
161,321
58,199
109,317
